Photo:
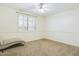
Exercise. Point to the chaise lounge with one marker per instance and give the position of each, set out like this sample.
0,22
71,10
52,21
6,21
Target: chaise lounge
10,42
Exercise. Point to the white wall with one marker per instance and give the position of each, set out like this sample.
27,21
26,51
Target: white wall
9,29
64,27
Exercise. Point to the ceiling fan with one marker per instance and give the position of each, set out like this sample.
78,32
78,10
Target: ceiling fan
42,7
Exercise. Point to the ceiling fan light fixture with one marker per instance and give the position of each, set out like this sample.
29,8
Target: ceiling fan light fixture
42,10
41,7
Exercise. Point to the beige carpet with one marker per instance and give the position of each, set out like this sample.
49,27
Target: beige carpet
42,47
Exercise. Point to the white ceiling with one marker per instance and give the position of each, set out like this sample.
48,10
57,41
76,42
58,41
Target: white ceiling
51,8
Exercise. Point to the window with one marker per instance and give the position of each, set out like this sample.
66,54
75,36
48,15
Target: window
26,22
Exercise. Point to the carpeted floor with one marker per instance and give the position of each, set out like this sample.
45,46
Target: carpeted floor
42,47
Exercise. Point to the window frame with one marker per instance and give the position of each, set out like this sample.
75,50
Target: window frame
33,28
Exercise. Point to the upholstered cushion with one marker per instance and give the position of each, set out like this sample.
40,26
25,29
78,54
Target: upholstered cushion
6,43
10,41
